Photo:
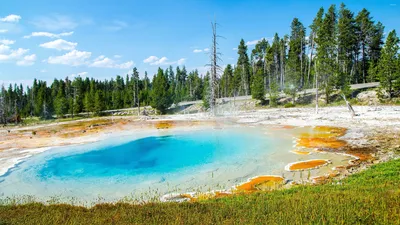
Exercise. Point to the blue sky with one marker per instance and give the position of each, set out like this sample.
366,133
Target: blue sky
100,39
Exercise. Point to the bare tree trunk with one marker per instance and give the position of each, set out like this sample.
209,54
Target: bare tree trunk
363,63
311,56
214,68
245,81
316,87
301,64
282,69
226,85
265,77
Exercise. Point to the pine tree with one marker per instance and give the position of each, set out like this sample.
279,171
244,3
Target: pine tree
276,51
388,66
244,66
161,97
315,26
178,84
145,92
273,93
295,75
347,44
283,59
374,51
135,86
206,91
226,81
3,119
258,59
365,26
60,102
98,102
257,89
117,94
327,52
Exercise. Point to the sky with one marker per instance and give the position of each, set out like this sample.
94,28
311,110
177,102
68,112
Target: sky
101,38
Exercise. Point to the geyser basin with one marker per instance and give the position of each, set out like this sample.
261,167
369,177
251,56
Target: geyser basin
152,164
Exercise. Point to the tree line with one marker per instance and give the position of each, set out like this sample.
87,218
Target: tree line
340,48
79,95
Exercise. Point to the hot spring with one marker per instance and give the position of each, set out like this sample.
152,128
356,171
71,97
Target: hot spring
151,164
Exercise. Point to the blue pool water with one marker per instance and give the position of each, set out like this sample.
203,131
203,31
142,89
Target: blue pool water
150,155
163,161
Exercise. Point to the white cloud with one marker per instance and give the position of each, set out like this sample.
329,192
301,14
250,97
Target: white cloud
43,71
3,31
99,58
154,60
48,34
72,58
150,59
234,49
126,65
201,50
254,42
4,49
104,62
7,42
117,56
9,55
13,54
181,61
116,25
11,18
59,45
54,22
28,60
161,61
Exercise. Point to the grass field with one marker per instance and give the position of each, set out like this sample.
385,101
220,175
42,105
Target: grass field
370,197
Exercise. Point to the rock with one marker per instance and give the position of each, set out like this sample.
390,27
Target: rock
284,100
375,161
368,97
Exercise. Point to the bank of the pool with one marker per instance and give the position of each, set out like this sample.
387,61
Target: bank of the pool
369,197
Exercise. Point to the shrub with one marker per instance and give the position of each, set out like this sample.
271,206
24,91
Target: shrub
289,105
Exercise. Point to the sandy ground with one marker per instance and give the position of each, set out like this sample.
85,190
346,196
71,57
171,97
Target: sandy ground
19,143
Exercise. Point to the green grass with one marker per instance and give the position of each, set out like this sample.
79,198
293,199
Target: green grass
370,197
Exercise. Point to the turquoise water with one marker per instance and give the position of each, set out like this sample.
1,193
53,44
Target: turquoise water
150,155
136,164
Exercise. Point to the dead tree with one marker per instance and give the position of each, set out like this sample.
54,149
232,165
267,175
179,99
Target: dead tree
316,88
349,107
215,68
